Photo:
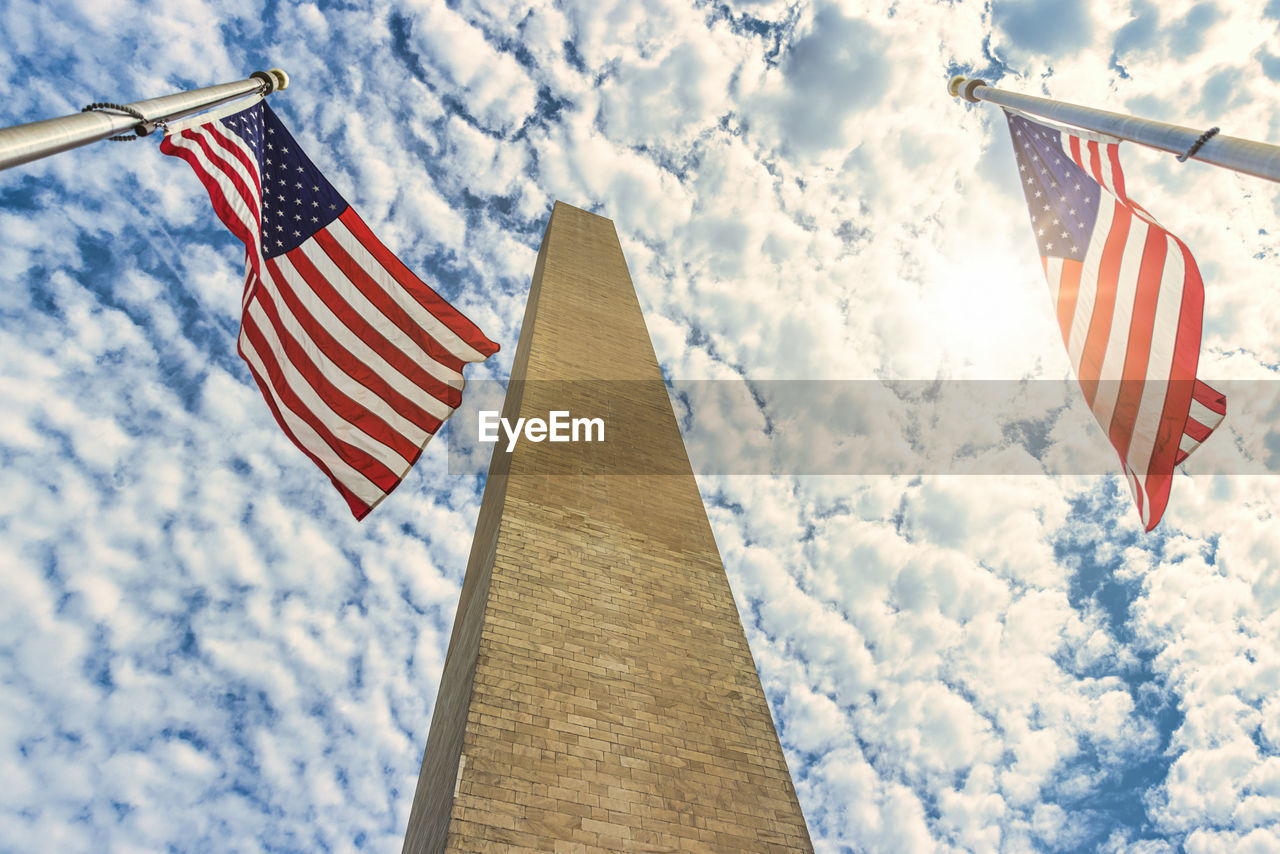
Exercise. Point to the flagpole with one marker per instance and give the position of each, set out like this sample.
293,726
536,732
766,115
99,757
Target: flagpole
1241,155
24,143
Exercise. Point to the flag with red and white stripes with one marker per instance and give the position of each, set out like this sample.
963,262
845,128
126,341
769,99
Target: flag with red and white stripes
1129,302
358,359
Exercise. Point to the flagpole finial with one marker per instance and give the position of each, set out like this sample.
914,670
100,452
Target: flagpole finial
962,87
272,81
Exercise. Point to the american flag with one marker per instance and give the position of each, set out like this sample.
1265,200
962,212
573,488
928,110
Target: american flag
358,359
1129,303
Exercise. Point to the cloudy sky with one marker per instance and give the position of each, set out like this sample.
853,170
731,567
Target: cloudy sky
201,650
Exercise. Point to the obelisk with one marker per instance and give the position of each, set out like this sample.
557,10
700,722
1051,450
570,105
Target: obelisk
598,693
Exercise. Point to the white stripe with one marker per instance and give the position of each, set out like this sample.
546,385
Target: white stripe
350,294
1164,333
364,489
1088,291
1053,274
338,427
1112,371
434,327
1140,496
330,370
293,280
1188,444
1104,168
1205,415
230,195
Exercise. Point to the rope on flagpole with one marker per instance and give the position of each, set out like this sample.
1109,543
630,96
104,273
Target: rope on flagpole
1195,146
1259,159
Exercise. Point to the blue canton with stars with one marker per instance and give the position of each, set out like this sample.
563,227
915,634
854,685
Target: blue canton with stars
297,201
1062,197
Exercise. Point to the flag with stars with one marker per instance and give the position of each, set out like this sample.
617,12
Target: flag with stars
359,361
1129,303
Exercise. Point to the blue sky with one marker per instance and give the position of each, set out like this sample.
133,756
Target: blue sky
201,650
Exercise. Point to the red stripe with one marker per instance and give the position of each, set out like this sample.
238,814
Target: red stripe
419,290
216,196
360,327
221,135
1210,398
346,408
1138,343
384,303
1095,342
238,227
358,508
1117,177
375,471
1075,151
1095,162
1137,482
1068,292
1186,356
1179,457
252,200
1196,430
344,359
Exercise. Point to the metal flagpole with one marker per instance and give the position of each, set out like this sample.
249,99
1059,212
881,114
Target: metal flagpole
1240,155
24,143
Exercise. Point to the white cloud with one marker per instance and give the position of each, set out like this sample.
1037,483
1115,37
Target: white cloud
198,647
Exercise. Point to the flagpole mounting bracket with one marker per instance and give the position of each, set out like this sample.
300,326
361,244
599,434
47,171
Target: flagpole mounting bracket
145,126
1195,146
